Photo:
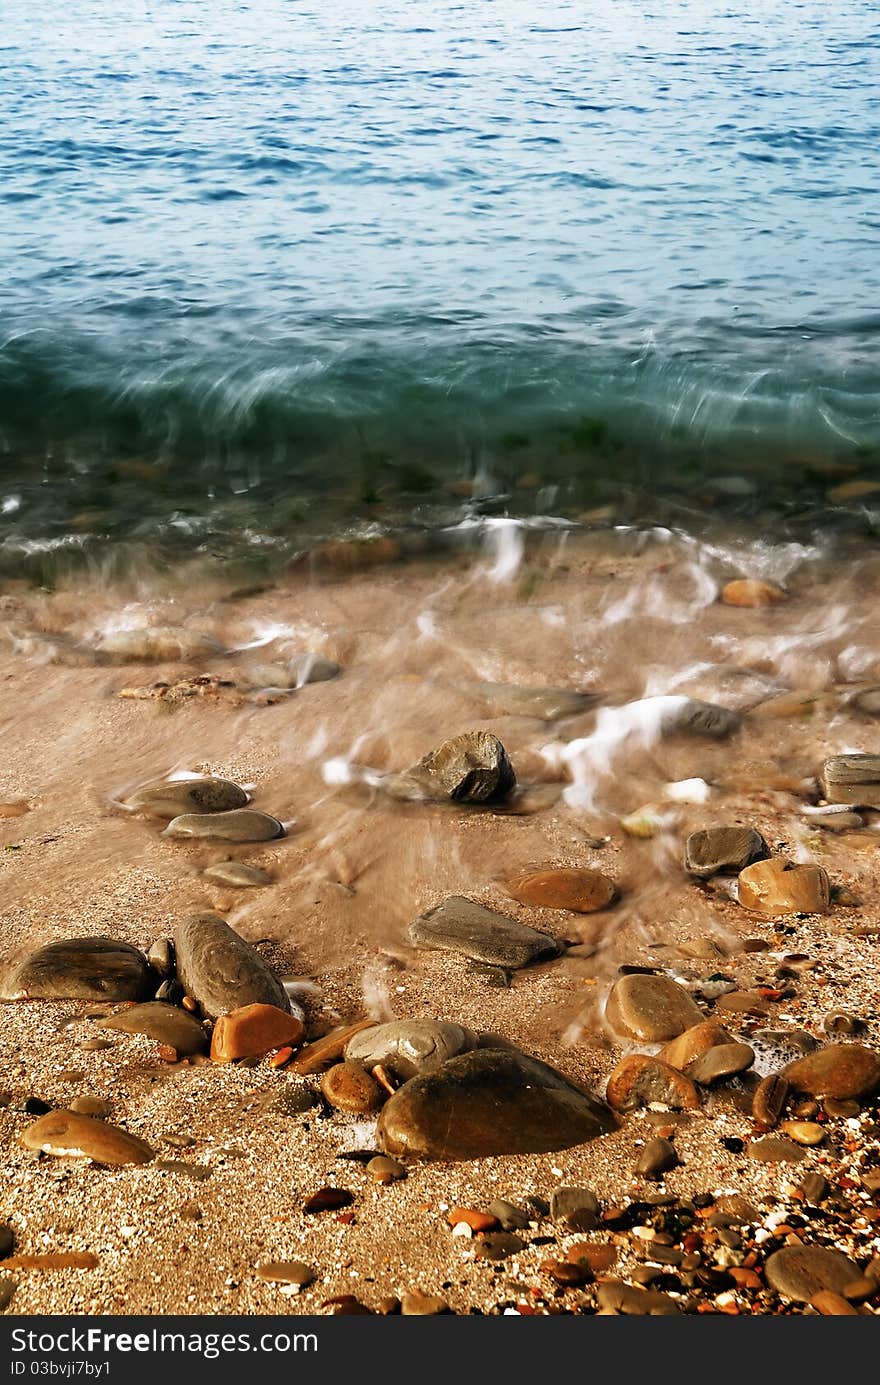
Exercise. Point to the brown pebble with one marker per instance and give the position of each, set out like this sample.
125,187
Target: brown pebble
384,1169
639,1080
860,1290
347,1306
90,1106
477,1221
415,1304
580,891
568,1273
599,1256
657,1157
253,1031
769,1099
189,1004
387,1307
749,591
773,1149
683,1051
840,1110
349,1087
191,1211
328,1200
807,1133
96,1045
281,1058
323,1052
286,1272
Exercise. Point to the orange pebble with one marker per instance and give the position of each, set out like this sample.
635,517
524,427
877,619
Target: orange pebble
283,1056
747,591
477,1221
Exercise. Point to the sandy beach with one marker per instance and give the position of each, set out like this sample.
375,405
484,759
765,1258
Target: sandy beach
620,615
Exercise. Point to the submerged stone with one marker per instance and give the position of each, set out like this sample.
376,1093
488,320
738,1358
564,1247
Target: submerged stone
579,890
239,875
172,797
471,768
72,1136
723,848
409,1047
548,704
164,1023
157,643
240,825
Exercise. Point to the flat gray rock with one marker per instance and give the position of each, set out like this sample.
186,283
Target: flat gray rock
701,719
409,1047
98,968
157,643
220,970
801,1272
490,1102
472,768
239,875
291,673
460,925
547,704
723,849
240,825
171,797
164,1023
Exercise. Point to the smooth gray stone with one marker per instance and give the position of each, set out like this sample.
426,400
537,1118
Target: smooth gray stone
241,825
220,970
409,1047
723,848
490,1102
702,719
460,925
164,1023
801,1272
578,1208
172,797
161,957
720,1062
239,875
657,1157
471,768
547,704
98,968
154,643
291,673
615,1297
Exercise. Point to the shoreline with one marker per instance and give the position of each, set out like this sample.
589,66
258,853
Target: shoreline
356,868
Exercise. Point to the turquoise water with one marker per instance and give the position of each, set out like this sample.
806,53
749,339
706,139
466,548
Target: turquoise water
313,260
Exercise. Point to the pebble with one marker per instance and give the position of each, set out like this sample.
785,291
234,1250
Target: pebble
7,1241
68,1134
748,591
8,1287
801,1272
599,1256
98,968
700,719
779,887
383,1169
650,1008
723,849
471,768
317,1056
460,925
349,1087
239,875
815,1187
840,1071
508,1215
721,1062
687,1047
240,825
580,891
547,704
221,970
769,1099
615,1297
832,1305
416,1304
852,779
90,1106
469,1216
576,1208
164,1023
803,1132
639,1080
170,797
291,673
409,1047
153,644
286,1272
498,1245
328,1200
868,701
773,1149
491,1101
655,1159
14,810
252,1031
161,957
840,1022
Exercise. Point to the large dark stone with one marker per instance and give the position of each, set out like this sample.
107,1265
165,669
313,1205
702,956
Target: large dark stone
97,968
460,925
220,970
472,768
490,1102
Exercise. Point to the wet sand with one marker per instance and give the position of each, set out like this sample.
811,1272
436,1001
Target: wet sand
620,615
